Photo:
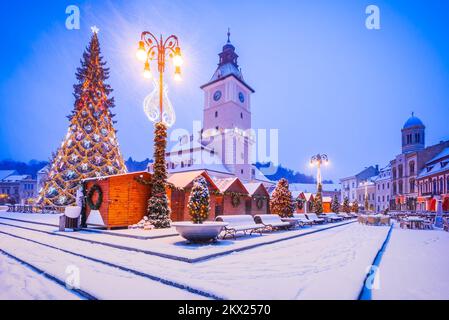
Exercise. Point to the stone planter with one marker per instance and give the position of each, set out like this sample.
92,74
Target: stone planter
199,233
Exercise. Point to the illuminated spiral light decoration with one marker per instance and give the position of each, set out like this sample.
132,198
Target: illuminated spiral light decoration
151,106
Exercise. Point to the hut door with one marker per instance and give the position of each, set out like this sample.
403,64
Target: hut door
248,206
218,210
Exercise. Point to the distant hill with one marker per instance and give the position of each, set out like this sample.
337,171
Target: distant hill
290,175
30,168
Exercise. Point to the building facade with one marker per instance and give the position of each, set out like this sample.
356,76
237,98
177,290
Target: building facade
15,188
350,185
406,166
383,189
366,189
433,183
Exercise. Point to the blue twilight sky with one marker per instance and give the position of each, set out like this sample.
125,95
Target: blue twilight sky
328,83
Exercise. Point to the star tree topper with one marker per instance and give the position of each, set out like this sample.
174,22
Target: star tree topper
95,29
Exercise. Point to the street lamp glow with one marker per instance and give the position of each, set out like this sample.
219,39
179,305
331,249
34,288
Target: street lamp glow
177,59
317,161
147,72
141,54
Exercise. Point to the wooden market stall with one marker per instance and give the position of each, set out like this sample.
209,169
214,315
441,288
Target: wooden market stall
117,201
235,199
178,192
258,198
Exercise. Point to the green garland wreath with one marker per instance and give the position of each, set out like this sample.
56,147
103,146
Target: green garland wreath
90,195
235,200
259,203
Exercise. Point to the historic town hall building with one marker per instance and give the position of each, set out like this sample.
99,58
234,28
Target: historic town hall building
223,145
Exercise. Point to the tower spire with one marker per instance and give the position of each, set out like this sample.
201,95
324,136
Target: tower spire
229,35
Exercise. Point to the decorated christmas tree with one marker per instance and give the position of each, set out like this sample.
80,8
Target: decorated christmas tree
335,207
281,202
158,209
90,148
355,206
318,202
346,207
199,201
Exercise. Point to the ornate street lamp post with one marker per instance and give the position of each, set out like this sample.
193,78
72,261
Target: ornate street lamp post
317,161
154,49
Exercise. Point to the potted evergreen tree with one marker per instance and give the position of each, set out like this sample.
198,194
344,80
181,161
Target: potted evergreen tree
199,230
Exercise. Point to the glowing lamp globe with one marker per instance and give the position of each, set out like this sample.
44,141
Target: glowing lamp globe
178,74
141,54
147,72
177,59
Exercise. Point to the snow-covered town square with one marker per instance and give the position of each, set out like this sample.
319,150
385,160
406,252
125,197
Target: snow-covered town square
192,151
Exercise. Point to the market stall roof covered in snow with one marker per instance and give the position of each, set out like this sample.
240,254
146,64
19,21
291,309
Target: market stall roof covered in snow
254,187
226,184
185,179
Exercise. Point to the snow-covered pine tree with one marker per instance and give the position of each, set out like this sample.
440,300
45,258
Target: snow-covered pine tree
199,201
335,207
318,202
281,202
346,207
158,209
90,148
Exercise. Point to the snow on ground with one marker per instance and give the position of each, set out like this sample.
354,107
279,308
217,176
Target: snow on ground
328,264
97,279
173,246
415,266
18,282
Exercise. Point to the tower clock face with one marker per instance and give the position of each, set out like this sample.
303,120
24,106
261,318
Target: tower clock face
241,97
217,95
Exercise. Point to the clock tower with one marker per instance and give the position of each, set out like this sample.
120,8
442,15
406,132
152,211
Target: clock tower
227,114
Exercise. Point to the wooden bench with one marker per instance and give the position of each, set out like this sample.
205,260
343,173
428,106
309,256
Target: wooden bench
314,218
240,223
333,217
344,215
302,218
272,221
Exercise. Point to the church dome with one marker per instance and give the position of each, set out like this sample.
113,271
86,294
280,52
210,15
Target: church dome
413,122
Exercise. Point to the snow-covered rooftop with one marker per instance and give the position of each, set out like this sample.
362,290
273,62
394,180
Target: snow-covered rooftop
6,173
183,179
224,184
441,155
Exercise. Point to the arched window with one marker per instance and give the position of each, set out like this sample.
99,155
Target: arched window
394,173
434,189
412,168
412,185
401,187
447,184
441,185
401,171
